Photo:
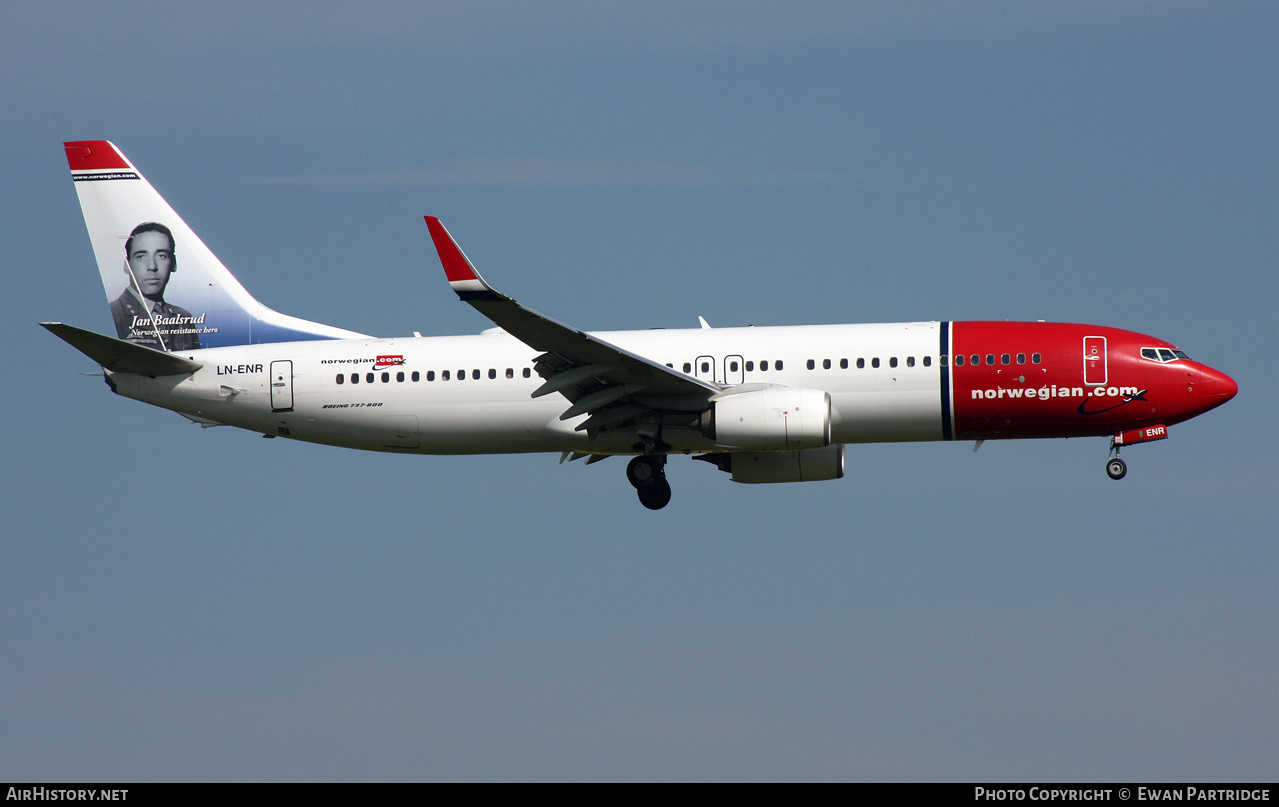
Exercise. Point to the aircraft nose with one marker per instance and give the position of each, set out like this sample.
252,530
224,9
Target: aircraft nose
1216,387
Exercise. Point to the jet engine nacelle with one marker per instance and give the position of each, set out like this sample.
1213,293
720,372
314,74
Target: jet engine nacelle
760,467
770,419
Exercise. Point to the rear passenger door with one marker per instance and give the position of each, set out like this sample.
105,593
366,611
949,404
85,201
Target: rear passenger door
281,386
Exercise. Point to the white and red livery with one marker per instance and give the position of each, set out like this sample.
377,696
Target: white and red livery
768,404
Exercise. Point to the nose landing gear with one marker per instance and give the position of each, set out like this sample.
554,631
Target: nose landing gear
1116,468
647,474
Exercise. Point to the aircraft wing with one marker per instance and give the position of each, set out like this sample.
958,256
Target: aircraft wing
609,383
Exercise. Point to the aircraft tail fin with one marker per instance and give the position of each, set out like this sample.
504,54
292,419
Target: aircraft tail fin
167,290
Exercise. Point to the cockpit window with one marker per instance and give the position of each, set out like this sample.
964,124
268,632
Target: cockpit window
1163,354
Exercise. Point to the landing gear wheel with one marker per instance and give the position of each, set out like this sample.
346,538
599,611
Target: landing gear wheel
643,471
656,495
1116,468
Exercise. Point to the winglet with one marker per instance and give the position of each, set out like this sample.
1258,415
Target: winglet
461,274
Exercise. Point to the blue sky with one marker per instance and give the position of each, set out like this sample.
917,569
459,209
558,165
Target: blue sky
181,604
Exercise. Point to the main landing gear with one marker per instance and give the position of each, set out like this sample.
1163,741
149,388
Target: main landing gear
647,474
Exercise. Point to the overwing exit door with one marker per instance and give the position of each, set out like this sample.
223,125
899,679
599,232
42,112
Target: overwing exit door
733,370
705,368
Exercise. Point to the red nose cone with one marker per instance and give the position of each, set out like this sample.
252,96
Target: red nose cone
1217,387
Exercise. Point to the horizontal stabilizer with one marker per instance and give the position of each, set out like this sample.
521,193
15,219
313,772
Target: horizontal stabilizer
120,356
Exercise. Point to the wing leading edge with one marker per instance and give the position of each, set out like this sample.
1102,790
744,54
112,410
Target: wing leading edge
613,386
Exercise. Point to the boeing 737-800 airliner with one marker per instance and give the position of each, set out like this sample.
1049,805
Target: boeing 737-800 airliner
768,404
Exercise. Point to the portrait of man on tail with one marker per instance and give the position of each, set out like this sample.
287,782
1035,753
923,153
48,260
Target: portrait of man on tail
141,315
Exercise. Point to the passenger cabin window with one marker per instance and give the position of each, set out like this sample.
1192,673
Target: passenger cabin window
1034,358
1005,359
341,378
386,378
492,373
990,359
874,362
732,366
399,376
445,375
763,366
355,378
1021,358
892,362
688,368
910,361
942,360
974,360
959,361
811,364
777,364
527,373
843,364
416,376
861,364
368,377
750,366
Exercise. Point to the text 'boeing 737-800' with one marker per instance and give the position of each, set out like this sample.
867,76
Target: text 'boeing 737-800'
766,404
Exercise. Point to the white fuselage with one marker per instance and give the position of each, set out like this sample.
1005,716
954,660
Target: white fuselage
292,388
